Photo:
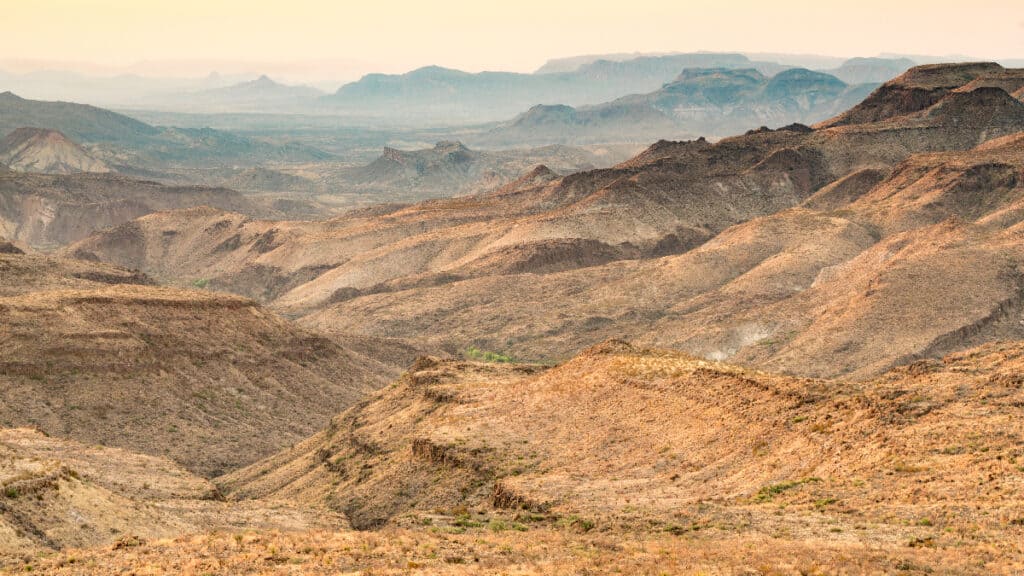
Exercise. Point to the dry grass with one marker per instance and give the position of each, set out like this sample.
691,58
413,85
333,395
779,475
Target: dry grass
623,440
538,552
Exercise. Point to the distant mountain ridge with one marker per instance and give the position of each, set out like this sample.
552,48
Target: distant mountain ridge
711,102
260,95
740,248
871,70
450,168
443,93
124,139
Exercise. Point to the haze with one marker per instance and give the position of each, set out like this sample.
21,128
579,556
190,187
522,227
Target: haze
339,40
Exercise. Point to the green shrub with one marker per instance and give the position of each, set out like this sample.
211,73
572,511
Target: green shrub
474,353
766,493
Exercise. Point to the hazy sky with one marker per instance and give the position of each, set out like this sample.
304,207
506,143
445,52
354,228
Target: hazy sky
339,37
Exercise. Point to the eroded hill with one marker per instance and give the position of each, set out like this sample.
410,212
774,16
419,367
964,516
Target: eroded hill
48,211
47,152
212,381
623,459
57,494
783,248
624,438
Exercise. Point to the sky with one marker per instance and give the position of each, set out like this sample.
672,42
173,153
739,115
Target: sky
341,38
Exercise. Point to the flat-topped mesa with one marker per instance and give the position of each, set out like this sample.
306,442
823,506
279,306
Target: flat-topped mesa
546,114
973,104
691,74
449,146
393,154
1011,81
915,90
452,149
951,75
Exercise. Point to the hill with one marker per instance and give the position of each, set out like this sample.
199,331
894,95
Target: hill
211,381
462,467
759,248
60,494
450,168
673,63
712,102
117,139
48,211
862,277
262,95
871,70
442,94
46,151
919,454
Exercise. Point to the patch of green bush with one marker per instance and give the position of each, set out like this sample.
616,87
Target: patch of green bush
474,353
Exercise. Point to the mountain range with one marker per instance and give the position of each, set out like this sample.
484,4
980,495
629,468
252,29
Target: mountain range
795,349
712,102
259,95
748,215
444,94
120,141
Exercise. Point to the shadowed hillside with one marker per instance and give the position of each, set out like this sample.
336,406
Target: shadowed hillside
54,210
783,248
747,452
824,375
212,381
46,151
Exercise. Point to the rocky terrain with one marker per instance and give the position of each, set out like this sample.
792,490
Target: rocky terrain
791,351
725,237
47,152
101,355
450,168
59,494
464,467
129,145
520,438
48,211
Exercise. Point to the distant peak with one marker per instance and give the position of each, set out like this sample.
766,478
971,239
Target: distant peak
539,175
264,80
434,70
540,172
